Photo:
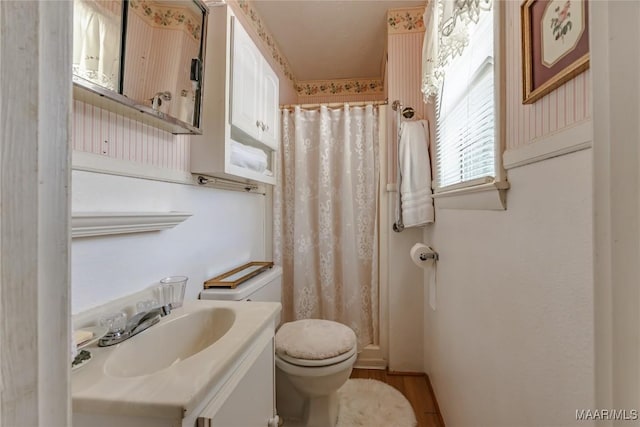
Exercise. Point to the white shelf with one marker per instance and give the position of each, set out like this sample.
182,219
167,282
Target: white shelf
87,224
114,102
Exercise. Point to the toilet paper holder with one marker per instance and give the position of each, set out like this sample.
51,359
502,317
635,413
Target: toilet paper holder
429,255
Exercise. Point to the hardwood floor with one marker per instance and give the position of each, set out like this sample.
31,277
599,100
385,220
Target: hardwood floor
414,387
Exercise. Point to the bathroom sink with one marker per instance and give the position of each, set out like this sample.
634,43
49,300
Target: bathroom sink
167,371
169,343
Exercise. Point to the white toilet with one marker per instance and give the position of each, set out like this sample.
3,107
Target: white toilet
314,358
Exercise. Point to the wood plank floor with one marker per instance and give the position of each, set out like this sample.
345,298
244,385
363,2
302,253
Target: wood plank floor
414,387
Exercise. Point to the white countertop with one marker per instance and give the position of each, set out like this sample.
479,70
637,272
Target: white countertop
175,391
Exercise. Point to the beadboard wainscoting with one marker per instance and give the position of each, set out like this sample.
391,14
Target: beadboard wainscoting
114,136
404,80
565,107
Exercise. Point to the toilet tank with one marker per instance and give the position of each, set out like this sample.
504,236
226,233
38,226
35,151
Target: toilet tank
266,286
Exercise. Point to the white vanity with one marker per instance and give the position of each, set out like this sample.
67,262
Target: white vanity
209,363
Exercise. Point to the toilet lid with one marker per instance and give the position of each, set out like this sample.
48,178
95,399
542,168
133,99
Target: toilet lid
314,339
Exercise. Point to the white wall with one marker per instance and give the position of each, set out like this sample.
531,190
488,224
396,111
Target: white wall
405,287
227,229
511,342
406,294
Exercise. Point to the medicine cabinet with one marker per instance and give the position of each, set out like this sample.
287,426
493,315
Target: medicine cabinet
142,59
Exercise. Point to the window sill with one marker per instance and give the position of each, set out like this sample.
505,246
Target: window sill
489,196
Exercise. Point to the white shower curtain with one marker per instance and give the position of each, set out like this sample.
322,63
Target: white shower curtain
325,230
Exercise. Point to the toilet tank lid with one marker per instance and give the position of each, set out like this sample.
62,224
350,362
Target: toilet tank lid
245,289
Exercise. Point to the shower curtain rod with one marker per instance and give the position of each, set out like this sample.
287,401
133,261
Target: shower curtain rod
335,104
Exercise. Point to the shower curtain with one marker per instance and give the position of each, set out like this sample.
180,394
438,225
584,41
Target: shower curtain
325,217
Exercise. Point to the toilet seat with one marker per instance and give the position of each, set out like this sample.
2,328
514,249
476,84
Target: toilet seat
317,362
317,371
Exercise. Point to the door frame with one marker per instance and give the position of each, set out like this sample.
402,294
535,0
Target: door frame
615,68
35,110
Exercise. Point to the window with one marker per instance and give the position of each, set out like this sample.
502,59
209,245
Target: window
467,153
465,110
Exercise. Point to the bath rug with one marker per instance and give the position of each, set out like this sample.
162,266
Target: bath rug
371,403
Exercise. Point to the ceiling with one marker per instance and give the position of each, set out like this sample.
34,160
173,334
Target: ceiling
330,39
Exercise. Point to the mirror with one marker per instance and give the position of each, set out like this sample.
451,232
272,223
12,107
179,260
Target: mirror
146,54
97,28
162,39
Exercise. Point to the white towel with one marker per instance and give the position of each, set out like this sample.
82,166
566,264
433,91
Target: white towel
248,157
415,171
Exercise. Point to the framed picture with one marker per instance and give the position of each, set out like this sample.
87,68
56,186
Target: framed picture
555,44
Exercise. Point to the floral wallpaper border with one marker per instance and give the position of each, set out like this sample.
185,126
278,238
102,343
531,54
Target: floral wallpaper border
168,17
266,37
339,87
408,20
405,20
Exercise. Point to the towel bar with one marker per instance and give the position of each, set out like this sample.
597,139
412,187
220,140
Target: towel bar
407,113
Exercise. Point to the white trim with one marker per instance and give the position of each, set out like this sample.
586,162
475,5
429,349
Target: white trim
86,224
369,358
378,357
466,184
35,130
102,164
616,203
489,196
499,75
565,141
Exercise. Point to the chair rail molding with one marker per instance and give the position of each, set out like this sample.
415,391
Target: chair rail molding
574,138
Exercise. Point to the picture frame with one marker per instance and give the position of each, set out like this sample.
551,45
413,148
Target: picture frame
555,44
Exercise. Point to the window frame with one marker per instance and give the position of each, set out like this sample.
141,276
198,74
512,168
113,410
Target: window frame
482,193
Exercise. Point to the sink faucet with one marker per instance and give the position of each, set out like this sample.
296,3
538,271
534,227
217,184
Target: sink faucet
135,325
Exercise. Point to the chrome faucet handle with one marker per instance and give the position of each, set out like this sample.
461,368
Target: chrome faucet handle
146,305
115,323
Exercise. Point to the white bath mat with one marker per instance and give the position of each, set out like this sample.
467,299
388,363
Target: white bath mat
371,403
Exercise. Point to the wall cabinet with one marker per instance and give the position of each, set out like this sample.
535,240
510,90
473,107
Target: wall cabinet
240,103
255,89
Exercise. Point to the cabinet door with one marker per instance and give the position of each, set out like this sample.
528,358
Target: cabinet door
252,401
270,107
245,92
